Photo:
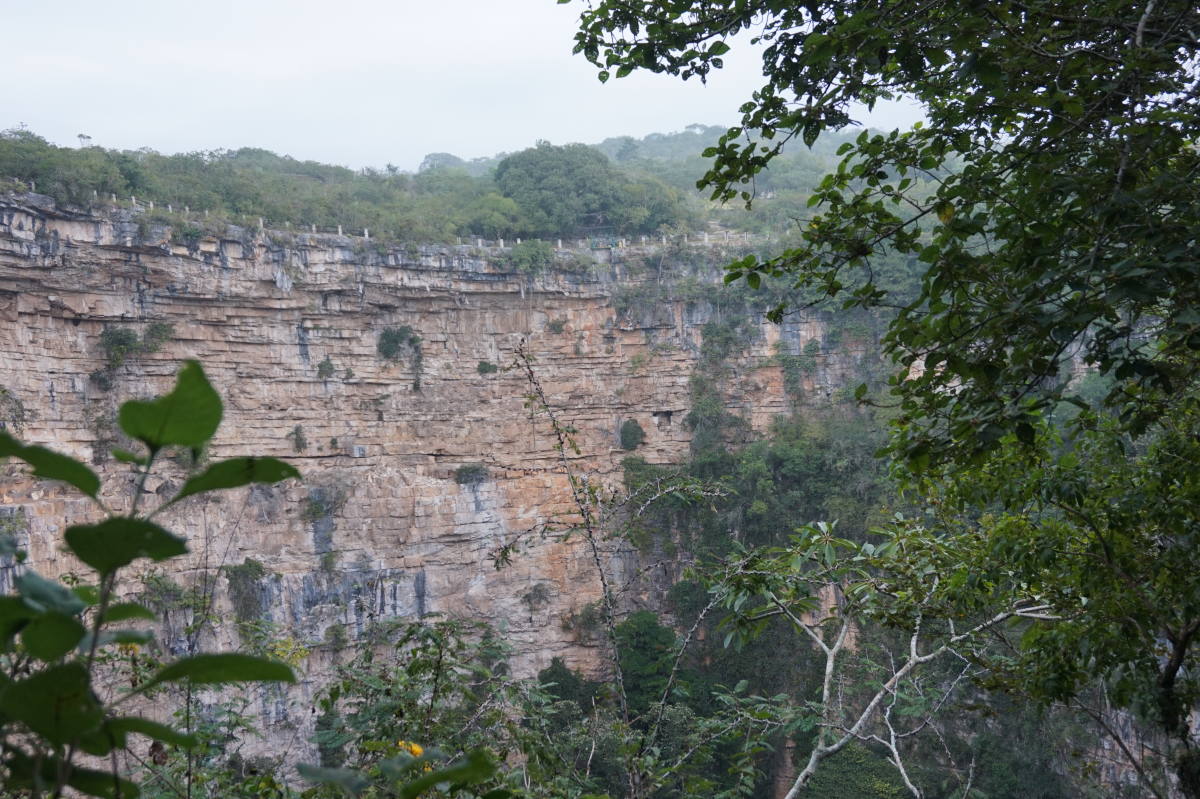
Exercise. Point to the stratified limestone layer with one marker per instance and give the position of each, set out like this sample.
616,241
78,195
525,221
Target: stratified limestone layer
287,329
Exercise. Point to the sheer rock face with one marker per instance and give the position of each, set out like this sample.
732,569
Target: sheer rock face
380,528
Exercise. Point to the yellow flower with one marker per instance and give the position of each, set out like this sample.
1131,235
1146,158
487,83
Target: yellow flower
416,750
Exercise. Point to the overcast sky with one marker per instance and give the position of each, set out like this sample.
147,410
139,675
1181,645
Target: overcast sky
354,82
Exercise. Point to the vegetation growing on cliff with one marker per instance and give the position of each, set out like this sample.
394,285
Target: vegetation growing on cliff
470,474
632,434
394,342
120,344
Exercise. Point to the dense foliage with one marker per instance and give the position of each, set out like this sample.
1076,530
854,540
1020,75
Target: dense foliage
576,189
1051,200
545,191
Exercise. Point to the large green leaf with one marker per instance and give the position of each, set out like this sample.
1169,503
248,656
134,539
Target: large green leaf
119,541
150,729
475,767
349,781
57,704
102,783
186,417
124,611
15,613
227,667
236,472
22,769
52,635
46,595
51,465
139,637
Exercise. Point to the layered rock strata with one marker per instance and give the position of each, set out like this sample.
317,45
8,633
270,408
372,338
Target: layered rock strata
417,468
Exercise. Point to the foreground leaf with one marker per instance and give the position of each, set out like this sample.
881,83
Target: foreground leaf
151,729
126,611
234,473
57,704
46,595
119,541
51,465
52,635
349,781
22,770
14,615
228,667
186,417
475,767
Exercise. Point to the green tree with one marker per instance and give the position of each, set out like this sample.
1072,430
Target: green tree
1063,149
564,190
1052,200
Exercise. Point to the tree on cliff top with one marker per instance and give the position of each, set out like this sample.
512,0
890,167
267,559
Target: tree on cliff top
1062,140
574,188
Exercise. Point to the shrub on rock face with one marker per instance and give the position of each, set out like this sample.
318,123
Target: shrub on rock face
121,344
632,434
155,335
118,344
470,474
393,340
391,346
487,368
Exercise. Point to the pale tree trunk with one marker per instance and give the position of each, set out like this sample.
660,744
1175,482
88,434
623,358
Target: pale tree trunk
785,770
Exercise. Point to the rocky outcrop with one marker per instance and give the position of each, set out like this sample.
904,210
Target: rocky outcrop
386,523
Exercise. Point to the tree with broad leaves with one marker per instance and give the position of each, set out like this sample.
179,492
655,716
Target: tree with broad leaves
1064,143
1063,140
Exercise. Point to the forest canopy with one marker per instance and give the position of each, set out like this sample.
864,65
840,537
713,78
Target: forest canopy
548,190
619,187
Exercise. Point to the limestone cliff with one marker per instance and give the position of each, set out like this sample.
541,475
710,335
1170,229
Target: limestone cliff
287,326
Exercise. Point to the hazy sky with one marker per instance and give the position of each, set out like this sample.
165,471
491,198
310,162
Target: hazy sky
354,82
